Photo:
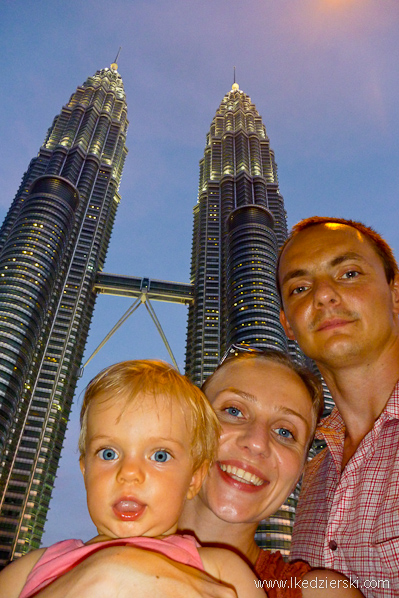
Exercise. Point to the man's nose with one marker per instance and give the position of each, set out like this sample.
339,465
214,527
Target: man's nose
325,292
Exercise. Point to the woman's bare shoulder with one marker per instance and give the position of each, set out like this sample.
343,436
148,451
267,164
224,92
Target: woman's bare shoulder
231,569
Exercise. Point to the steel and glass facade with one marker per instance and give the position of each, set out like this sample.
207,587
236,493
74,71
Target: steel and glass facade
53,242
239,225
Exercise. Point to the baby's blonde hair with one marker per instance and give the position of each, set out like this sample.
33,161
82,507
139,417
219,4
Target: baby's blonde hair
127,379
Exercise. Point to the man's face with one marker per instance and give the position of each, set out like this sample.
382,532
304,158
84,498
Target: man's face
337,302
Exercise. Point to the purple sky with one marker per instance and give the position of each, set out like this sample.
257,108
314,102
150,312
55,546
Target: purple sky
322,73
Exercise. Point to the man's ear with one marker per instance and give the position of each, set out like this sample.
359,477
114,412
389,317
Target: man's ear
395,294
197,480
287,328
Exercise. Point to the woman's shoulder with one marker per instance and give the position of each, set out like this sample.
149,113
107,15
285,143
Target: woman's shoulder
280,578
272,564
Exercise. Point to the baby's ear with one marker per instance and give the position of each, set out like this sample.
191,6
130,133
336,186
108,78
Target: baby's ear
82,467
197,480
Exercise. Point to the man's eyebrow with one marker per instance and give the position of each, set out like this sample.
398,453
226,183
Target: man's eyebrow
351,255
299,272
294,274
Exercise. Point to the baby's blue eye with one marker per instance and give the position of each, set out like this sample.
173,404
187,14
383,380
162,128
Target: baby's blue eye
233,411
161,456
284,433
107,454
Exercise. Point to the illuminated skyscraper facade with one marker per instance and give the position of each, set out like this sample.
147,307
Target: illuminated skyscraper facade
52,244
239,225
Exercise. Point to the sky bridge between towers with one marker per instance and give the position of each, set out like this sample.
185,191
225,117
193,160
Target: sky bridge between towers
143,290
134,286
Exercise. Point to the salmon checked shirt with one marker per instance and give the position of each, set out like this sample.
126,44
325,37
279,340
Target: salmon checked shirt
349,521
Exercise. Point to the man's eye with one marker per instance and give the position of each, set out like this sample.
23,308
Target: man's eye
299,290
161,456
107,454
284,433
351,274
234,411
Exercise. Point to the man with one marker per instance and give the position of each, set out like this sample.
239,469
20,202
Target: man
339,286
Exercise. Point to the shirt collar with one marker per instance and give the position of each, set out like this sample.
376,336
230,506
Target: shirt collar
333,424
392,407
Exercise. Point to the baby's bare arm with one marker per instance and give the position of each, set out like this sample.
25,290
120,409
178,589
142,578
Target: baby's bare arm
13,577
126,571
324,583
231,569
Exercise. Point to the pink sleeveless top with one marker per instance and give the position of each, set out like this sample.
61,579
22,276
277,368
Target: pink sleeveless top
63,556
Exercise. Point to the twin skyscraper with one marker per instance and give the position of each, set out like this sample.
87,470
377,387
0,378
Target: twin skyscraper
53,243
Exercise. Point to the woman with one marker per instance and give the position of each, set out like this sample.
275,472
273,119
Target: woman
268,408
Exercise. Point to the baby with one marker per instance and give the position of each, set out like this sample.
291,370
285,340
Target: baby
147,439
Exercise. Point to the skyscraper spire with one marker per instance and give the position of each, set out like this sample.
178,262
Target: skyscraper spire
114,65
53,241
117,56
239,224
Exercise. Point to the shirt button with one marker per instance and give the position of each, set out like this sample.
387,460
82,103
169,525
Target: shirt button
332,545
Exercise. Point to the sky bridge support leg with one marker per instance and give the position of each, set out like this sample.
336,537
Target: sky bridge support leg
142,299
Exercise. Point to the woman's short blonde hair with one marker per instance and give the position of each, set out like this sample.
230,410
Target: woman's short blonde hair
127,379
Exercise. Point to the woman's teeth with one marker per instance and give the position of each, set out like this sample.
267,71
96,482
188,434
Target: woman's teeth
241,475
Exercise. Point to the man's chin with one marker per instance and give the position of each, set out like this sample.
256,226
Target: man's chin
337,354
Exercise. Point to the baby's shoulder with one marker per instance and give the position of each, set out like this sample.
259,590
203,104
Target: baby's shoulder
13,577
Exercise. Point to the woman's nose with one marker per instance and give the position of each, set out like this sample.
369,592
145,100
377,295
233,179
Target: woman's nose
255,438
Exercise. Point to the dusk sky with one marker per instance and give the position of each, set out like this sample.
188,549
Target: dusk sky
323,75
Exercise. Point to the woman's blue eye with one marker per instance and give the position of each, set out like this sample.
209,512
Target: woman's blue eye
233,411
161,456
284,433
107,454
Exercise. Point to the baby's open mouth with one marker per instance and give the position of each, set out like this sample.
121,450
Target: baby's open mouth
128,509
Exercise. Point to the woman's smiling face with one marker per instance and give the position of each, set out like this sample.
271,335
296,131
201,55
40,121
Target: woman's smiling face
267,418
